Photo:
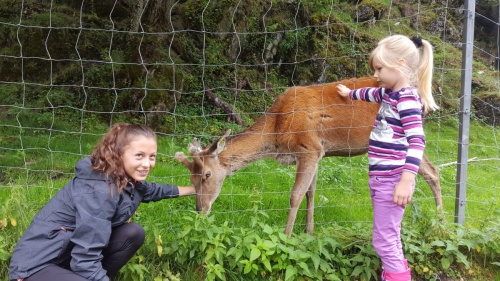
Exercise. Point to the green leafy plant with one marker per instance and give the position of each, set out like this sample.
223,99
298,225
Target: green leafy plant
261,252
134,270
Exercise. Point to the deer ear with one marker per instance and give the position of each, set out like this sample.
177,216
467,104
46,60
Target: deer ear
221,143
218,146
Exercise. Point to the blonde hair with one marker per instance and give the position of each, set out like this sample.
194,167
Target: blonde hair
419,62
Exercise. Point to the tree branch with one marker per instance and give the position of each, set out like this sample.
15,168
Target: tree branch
473,159
227,108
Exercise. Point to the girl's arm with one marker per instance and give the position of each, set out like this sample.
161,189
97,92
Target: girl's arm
343,90
365,94
410,112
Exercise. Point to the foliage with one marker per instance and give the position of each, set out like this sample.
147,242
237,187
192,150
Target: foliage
262,252
11,219
90,68
435,247
254,248
134,269
188,45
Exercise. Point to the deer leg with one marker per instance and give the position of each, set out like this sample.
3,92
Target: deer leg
303,178
310,205
431,175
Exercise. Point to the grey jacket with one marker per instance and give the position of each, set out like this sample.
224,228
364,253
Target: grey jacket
75,225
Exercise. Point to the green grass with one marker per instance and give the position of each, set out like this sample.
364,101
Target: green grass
483,176
35,174
342,194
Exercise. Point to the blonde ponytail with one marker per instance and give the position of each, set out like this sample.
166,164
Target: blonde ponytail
424,82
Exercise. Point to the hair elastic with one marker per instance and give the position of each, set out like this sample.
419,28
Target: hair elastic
417,41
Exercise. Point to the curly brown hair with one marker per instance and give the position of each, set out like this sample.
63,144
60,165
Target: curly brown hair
106,156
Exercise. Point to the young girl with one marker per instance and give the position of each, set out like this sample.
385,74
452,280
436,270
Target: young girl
82,232
403,67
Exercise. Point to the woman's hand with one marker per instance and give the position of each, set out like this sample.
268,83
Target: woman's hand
343,90
186,190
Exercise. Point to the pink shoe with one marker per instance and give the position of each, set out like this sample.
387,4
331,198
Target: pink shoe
396,276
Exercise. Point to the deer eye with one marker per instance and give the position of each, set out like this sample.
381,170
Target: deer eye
208,174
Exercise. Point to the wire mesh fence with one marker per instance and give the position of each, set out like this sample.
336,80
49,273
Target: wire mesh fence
196,68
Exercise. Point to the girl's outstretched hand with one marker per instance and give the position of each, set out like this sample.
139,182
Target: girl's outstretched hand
343,90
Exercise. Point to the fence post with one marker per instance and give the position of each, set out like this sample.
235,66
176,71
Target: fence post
465,102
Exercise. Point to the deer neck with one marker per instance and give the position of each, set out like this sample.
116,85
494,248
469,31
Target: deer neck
245,148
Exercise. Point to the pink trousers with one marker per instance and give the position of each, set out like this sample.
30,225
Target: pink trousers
387,218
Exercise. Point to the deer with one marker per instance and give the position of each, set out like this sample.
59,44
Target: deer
303,125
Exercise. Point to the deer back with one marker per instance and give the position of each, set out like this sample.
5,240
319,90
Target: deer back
317,117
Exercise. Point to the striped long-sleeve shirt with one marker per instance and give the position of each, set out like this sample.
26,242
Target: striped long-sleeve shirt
397,140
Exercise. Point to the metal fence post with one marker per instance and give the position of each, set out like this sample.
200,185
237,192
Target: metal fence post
465,102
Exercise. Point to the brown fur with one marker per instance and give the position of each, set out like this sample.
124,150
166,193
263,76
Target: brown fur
302,126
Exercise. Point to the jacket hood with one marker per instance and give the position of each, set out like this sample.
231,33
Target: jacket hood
84,170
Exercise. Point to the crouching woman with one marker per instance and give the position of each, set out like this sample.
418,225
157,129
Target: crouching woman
83,233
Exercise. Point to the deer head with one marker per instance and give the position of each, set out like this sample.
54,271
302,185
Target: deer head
207,175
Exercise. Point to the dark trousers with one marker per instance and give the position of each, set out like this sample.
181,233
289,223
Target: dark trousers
125,240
